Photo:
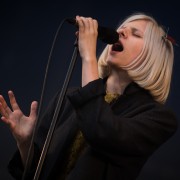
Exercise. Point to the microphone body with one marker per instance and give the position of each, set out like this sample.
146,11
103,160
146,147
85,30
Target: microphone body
107,35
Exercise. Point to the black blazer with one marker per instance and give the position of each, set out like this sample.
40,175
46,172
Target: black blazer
120,136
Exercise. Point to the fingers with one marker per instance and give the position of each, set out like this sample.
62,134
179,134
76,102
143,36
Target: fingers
33,112
5,115
4,108
5,120
87,24
13,102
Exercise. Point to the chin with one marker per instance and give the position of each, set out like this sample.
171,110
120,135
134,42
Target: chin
112,64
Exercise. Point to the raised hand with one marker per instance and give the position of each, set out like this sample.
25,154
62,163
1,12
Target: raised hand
20,125
87,37
87,42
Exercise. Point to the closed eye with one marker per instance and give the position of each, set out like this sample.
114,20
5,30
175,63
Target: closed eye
136,33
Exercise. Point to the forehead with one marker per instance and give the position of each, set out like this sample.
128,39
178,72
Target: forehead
138,24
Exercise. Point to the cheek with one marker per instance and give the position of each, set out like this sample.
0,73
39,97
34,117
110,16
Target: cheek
136,50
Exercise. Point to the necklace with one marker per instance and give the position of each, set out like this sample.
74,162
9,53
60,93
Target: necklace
109,97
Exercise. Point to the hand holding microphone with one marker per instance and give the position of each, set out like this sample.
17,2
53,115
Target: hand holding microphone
88,33
87,37
107,35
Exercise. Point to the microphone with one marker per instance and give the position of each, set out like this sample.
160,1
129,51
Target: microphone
107,35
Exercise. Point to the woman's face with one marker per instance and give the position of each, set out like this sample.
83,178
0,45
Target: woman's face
131,41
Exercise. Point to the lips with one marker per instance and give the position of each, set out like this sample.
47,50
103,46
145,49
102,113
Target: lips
117,47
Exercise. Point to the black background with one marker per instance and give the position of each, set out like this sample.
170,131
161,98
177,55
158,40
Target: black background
27,30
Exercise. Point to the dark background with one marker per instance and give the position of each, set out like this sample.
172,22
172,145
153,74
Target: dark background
27,30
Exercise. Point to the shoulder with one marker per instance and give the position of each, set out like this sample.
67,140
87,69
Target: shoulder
144,105
166,114
159,116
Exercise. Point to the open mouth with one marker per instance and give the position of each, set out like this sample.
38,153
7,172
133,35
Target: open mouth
117,47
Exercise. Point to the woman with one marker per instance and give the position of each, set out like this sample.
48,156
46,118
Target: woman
109,127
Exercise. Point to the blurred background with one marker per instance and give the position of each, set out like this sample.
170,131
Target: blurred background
27,31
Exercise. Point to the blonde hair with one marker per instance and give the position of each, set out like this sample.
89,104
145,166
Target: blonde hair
155,71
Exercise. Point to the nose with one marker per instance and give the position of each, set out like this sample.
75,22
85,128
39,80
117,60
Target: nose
123,32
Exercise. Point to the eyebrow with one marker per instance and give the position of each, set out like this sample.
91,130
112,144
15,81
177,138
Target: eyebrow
135,29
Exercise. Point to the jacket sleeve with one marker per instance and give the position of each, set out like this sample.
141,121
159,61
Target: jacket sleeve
15,166
138,132
16,169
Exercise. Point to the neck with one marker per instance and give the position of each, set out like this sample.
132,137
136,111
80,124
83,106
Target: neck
117,82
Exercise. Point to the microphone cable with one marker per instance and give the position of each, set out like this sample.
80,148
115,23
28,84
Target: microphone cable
28,160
